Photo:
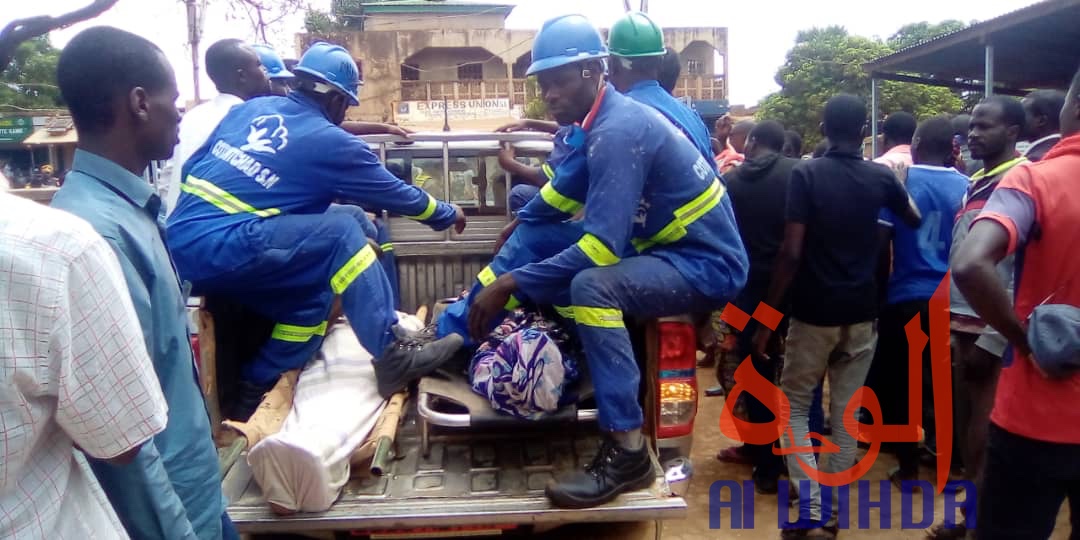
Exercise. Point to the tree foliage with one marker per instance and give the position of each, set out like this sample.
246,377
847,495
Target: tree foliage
264,16
828,61
535,107
29,82
913,34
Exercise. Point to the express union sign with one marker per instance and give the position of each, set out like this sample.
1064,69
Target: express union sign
15,128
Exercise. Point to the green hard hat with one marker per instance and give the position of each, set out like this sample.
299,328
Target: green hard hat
635,34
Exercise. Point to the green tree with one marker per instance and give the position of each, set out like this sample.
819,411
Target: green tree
913,34
828,61
29,82
535,107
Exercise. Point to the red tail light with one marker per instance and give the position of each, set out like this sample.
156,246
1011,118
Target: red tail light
677,392
195,349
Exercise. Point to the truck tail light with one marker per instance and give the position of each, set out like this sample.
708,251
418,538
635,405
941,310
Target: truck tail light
678,391
195,350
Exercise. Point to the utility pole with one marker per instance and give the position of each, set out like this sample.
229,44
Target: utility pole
193,40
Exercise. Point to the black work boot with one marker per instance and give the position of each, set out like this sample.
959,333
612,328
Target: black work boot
614,470
412,356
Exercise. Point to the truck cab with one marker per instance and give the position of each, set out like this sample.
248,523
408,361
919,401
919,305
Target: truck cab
457,467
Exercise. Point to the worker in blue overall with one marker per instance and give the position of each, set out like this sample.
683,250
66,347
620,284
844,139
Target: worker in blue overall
658,238
637,45
255,224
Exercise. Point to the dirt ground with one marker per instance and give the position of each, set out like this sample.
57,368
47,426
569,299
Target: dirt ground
707,441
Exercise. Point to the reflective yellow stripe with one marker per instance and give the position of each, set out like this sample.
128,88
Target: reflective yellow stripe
486,276
597,252
222,199
548,171
685,215
981,173
512,304
297,334
387,247
431,206
598,317
351,269
559,201
565,311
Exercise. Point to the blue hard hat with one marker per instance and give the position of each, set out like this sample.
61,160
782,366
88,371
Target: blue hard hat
275,66
565,40
333,65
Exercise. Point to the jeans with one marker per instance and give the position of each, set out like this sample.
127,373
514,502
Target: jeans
520,195
1025,483
888,378
843,353
768,465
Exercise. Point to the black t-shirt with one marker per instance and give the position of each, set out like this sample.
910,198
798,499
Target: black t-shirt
838,198
757,189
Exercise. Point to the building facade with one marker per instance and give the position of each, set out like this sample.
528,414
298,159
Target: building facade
421,54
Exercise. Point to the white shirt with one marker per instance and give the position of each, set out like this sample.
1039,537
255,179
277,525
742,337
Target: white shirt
73,371
195,129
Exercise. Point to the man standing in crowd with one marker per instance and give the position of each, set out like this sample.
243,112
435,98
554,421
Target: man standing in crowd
896,134
920,259
71,344
238,74
996,125
122,93
727,157
827,261
1033,449
757,189
1042,129
793,144
235,237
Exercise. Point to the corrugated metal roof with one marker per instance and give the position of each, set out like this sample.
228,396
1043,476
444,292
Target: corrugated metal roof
1035,46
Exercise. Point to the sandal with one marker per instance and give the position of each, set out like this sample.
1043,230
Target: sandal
734,454
898,480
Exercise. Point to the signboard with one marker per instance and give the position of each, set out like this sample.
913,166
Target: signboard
460,112
14,129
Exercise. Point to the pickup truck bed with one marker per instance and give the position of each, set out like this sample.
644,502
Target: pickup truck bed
470,479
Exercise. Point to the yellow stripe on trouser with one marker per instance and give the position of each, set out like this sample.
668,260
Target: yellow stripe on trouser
431,206
222,199
565,311
351,269
559,201
487,277
548,171
387,247
685,215
596,251
297,334
598,317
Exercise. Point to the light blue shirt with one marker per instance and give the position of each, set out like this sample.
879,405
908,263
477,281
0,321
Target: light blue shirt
173,487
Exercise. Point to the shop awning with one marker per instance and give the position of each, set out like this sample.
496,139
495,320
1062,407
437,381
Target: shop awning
43,137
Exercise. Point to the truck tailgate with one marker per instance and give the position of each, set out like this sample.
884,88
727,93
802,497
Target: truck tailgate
468,479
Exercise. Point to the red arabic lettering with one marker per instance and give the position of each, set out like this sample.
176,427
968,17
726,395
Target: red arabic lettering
748,380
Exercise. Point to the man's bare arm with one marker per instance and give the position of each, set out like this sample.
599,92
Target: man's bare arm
975,271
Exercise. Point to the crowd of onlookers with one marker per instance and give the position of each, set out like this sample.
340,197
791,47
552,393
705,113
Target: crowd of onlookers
851,250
